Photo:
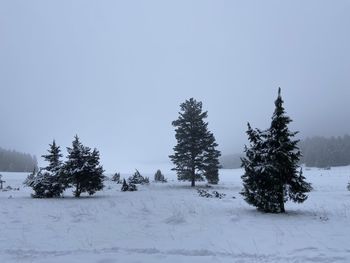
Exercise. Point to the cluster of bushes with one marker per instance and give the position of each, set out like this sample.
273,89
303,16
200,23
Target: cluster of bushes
136,178
81,170
128,187
213,194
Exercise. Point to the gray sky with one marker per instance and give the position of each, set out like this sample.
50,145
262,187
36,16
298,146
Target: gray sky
115,72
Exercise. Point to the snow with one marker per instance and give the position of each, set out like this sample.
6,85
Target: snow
170,222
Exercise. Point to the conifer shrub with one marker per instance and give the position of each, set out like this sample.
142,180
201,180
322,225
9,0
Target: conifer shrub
159,177
128,187
137,178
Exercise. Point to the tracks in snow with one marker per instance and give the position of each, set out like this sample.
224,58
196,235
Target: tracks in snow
31,255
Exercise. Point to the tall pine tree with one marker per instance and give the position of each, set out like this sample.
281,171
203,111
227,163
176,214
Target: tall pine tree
195,152
82,169
271,165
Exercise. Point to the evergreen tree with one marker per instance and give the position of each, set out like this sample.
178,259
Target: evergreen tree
82,169
137,178
47,183
53,158
211,159
258,185
195,151
159,177
125,186
271,165
116,178
128,187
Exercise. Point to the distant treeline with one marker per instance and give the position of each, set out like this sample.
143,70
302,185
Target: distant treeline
317,152
231,161
13,161
325,152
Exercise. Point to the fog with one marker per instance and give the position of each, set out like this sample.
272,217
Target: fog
115,72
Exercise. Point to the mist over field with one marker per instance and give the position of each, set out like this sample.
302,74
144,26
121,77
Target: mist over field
194,131
115,72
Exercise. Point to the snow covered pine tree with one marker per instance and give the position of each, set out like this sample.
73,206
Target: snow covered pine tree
48,182
82,169
159,177
211,160
195,154
271,165
137,178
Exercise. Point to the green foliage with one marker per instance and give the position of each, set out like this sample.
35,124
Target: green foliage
271,165
137,178
159,177
82,169
128,187
195,155
47,182
53,158
116,178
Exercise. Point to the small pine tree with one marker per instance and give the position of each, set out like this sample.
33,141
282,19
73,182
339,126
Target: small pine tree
128,187
193,152
132,188
159,177
1,182
82,169
30,177
125,186
137,178
116,178
47,183
271,165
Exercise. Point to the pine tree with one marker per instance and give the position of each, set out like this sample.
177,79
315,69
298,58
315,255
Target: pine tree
53,158
125,186
211,159
257,183
137,178
271,165
116,178
159,177
128,187
82,169
47,182
195,151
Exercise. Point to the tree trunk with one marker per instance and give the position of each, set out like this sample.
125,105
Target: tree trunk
282,210
282,207
77,191
193,181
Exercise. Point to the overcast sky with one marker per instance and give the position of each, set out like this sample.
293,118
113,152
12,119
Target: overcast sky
115,72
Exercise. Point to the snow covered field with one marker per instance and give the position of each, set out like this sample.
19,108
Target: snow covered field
171,223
